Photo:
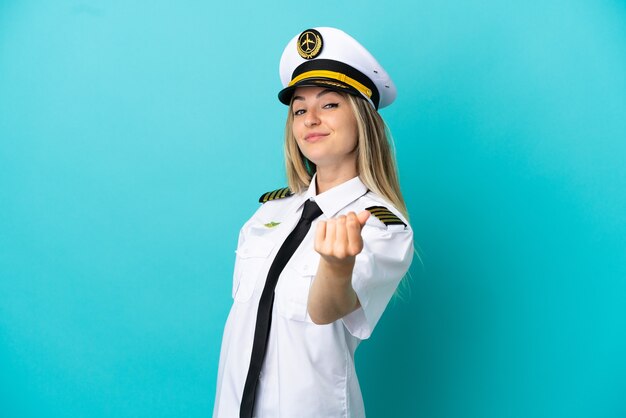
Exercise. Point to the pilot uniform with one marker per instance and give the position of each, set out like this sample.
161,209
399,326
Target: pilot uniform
308,369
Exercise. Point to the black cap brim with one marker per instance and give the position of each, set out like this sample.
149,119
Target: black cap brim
286,94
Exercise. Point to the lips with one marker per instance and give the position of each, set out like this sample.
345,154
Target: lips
315,136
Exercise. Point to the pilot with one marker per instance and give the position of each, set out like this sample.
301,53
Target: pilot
318,262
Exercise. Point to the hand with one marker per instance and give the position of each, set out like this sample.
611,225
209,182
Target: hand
339,240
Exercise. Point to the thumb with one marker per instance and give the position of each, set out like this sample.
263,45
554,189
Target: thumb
363,217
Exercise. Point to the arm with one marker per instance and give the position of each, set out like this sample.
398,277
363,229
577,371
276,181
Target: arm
338,241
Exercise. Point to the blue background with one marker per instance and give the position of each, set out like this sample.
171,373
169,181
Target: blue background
136,136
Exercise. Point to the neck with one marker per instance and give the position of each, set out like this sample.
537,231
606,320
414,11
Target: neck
327,177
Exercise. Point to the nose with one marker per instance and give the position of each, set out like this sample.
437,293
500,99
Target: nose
311,118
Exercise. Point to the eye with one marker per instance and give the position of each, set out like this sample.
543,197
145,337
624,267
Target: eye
331,105
298,112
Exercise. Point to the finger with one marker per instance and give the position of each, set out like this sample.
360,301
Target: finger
331,227
355,242
320,235
363,217
341,239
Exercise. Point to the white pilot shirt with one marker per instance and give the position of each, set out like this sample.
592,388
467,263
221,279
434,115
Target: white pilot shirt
308,369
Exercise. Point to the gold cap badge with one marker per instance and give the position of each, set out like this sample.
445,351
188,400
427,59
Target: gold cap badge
309,44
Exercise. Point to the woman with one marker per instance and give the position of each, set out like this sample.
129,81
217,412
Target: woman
318,262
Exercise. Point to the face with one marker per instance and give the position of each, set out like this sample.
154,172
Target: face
325,128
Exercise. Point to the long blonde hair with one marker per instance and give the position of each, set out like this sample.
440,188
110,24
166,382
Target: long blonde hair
376,163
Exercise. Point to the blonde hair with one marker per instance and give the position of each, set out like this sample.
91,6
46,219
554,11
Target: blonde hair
376,163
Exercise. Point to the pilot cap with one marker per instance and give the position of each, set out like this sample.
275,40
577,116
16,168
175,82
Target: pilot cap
329,57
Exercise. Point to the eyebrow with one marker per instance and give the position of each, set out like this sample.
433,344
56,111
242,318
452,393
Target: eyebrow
320,94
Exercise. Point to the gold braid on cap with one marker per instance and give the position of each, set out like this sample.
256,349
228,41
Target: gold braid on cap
335,76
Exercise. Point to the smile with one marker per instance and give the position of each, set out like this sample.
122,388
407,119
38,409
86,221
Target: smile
314,136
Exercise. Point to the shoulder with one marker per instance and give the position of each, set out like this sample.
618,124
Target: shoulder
275,195
383,213
276,205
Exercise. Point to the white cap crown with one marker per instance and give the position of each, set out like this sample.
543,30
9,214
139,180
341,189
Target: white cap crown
330,57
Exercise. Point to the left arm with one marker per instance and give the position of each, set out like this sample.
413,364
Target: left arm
338,241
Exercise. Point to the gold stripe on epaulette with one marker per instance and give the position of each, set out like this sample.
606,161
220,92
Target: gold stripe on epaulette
275,194
385,215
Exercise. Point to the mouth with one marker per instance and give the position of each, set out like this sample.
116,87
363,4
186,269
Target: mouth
315,136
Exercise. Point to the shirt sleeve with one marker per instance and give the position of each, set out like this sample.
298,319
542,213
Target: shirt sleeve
385,259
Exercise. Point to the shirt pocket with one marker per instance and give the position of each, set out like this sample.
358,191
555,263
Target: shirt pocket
292,290
250,260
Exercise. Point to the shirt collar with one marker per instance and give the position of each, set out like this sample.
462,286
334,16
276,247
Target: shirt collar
337,198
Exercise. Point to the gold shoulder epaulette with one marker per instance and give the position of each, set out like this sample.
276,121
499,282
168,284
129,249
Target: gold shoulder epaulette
275,194
385,215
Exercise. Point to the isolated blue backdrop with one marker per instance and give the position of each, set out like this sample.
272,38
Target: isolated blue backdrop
135,137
